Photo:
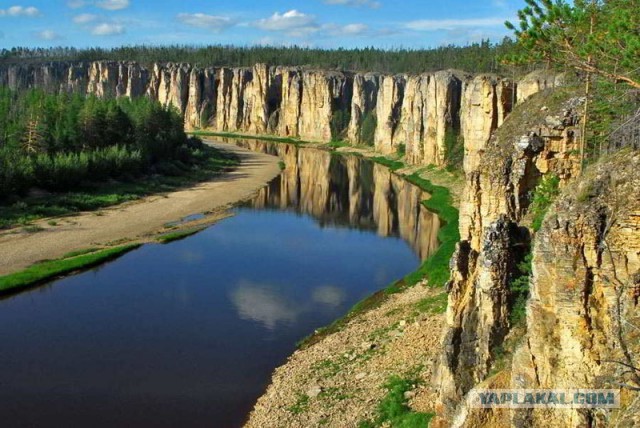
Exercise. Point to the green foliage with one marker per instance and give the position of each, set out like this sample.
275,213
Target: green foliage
178,235
543,196
401,149
436,268
368,128
434,304
59,141
393,165
301,405
593,36
207,162
339,124
394,411
481,57
519,288
44,271
454,146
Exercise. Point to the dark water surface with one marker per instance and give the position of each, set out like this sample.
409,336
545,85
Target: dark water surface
187,334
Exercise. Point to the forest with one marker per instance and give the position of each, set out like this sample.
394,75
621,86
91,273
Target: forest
481,57
57,142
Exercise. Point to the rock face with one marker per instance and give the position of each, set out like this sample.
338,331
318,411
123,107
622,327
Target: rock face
500,175
487,100
430,115
424,113
538,81
582,317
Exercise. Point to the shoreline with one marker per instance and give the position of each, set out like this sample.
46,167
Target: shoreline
138,221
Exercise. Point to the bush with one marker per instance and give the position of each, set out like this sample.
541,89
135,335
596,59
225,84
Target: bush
543,196
61,171
368,128
16,173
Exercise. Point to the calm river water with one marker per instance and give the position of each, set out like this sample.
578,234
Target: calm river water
187,334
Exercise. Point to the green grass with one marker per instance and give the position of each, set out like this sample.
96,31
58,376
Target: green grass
50,269
433,305
287,140
301,405
99,196
393,410
436,268
282,165
178,235
80,252
393,165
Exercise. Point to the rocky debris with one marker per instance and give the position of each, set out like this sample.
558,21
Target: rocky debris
343,380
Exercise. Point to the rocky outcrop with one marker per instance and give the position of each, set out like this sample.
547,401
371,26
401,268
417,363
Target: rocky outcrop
486,100
430,115
388,109
582,316
500,177
538,81
363,104
424,114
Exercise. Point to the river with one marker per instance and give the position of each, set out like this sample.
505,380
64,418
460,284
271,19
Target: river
187,334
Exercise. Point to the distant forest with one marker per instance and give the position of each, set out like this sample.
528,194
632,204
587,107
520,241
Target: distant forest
482,57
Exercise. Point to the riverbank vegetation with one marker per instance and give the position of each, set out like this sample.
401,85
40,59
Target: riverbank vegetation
65,153
47,270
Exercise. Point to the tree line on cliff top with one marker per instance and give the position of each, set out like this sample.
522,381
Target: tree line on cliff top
481,57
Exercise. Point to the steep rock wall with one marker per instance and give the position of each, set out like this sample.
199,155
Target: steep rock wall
500,176
582,316
423,113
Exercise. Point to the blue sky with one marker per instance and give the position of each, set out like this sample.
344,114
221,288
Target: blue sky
318,23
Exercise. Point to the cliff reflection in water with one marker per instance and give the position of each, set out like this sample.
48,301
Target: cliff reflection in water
348,191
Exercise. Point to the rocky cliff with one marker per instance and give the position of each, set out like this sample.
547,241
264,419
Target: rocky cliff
500,176
583,323
583,285
423,114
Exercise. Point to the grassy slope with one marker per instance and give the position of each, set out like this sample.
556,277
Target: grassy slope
47,270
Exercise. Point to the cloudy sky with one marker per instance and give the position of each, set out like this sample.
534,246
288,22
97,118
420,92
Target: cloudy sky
319,23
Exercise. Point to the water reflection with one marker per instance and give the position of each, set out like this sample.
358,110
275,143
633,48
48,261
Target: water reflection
263,303
329,295
348,191
188,334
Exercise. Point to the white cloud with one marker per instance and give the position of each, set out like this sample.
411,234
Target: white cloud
201,20
76,4
293,23
113,4
84,18
48,35
107,29
368,3
20,11
452,24
346,30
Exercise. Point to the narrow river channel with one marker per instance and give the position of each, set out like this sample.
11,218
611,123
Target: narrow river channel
187,334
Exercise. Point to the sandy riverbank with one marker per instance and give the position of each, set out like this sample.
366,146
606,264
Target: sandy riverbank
138,220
